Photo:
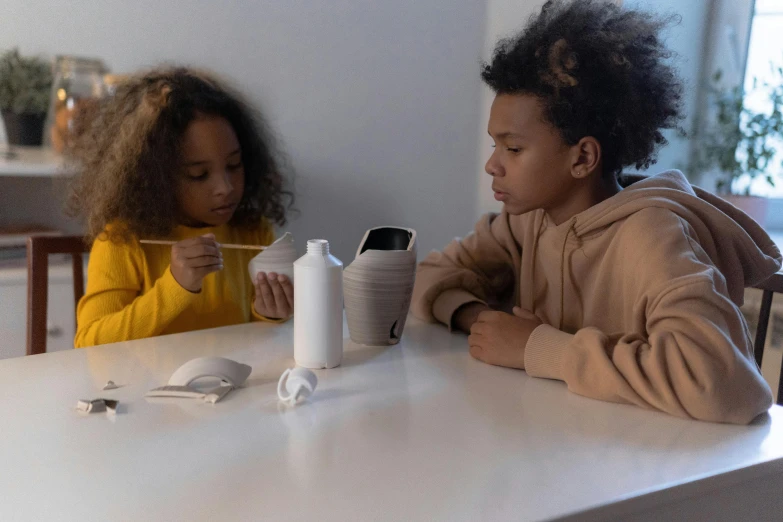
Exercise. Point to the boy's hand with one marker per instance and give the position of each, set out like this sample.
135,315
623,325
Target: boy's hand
467,315
499,338
274,296
193,259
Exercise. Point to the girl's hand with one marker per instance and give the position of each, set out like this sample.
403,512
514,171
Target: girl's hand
192,259
274,296
499,338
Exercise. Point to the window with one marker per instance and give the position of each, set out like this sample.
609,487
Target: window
765,48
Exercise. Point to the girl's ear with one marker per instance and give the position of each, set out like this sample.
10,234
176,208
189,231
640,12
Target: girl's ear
586,157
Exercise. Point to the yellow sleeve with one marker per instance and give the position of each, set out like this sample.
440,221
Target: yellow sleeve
266,237
258,317
114,309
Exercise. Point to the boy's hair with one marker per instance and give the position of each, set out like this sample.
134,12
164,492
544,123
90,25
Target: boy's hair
129,153
598,70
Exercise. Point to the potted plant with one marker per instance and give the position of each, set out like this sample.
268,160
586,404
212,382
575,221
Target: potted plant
25,89
740,142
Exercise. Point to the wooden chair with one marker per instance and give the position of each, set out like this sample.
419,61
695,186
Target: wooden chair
38,250
769,287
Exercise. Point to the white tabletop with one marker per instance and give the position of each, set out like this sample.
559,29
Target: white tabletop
418,431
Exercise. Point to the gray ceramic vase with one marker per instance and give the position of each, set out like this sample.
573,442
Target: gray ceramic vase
378,285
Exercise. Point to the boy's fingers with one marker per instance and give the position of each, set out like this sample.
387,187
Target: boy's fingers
488,316
524,314
475,350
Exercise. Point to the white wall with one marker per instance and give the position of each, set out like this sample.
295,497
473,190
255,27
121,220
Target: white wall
687,40
376,102
726,40
506,17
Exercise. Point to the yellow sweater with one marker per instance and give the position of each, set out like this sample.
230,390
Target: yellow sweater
131,293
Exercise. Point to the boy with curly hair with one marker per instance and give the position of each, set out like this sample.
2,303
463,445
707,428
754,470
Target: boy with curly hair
626,288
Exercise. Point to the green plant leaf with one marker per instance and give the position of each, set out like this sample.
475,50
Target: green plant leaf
25,83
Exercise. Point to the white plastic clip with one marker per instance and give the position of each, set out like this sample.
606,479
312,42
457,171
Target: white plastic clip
300,383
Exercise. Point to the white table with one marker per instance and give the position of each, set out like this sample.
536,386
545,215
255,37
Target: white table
418,431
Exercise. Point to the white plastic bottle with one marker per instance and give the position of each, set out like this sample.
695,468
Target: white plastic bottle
318,307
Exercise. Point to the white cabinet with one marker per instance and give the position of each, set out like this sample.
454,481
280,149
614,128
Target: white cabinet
31,191
13,305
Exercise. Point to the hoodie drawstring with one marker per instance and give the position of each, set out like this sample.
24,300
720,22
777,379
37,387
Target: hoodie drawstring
532,305
571,227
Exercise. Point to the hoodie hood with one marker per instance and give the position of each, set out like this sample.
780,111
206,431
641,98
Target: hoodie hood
736,244
637,296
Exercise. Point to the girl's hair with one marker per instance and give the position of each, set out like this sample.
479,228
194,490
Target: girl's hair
129,153
598,70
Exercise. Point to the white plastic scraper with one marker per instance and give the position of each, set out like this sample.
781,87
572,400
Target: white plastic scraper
231,374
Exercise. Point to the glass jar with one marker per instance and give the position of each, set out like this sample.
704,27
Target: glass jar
77,87
111,82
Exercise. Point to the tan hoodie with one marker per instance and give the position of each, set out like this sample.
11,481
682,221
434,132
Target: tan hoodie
639,296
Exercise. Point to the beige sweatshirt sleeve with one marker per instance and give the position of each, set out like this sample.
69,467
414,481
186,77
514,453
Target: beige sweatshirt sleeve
478,268
694,359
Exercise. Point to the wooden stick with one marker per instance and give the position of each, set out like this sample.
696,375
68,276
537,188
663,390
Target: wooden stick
222,245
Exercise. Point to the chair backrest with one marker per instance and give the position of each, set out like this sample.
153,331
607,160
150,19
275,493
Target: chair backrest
769,287
38,250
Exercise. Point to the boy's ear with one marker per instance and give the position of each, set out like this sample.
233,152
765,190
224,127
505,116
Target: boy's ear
586,157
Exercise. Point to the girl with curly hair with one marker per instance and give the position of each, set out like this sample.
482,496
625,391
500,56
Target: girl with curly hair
626,288
176,155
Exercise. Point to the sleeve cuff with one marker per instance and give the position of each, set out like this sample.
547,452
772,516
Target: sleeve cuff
258,317
450,301
545,352
178,296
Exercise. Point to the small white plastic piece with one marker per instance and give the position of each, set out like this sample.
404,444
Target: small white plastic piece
176,391
226,370
85,405
217,394
186,392
97,405
110,386
300,383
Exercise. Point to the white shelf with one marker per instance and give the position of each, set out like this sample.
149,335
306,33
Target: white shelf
17,275
31,162
20,239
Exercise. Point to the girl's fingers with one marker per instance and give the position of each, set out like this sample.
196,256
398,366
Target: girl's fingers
204,271
201,250
281,303
203,261
264,291
288,290
208,240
